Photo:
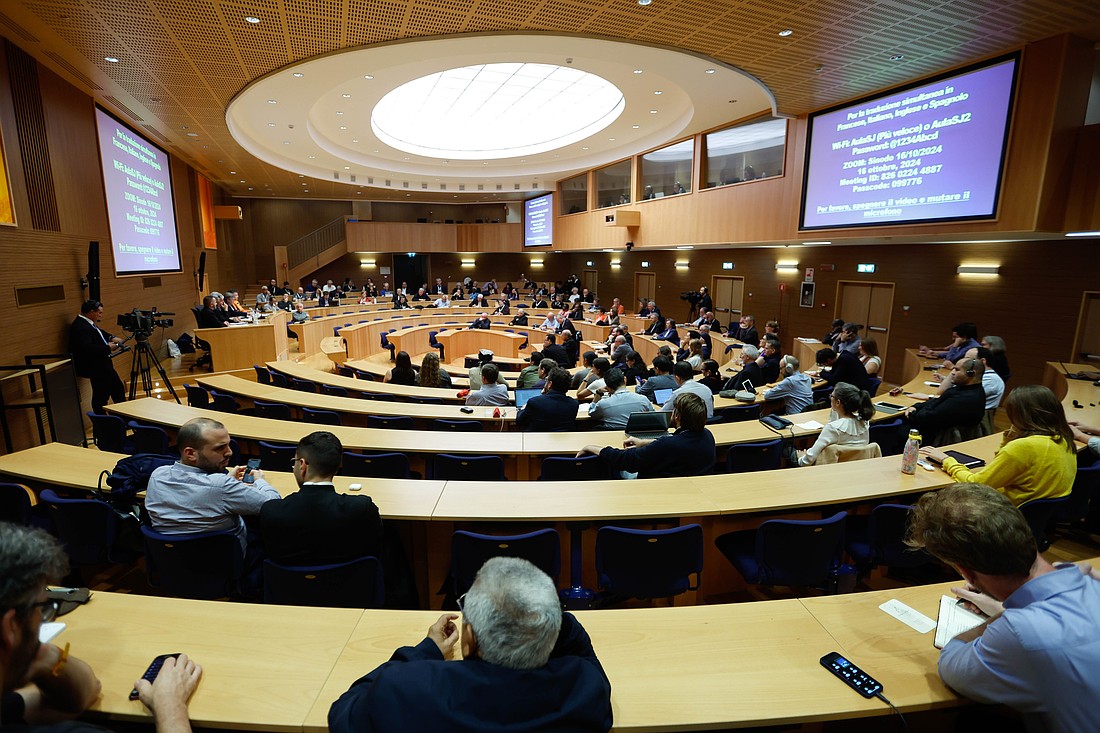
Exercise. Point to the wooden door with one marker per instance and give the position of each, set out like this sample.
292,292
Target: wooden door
871,304
728,294
1086,346
645,287
590,280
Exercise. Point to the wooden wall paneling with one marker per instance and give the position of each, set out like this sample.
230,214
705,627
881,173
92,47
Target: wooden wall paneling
488,237
1083,202
282,221
1068,116
73,148
372,236
30,128
12,155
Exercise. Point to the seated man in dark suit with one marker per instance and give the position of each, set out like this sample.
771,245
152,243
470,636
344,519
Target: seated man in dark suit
687,452
553,350
750,371
745,331
208,317
525,666
961,406
843,367
552,411
572,347
316,525
519,319
482,321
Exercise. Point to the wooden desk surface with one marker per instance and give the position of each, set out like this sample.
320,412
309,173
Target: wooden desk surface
79,468
573,501
171,415
263,666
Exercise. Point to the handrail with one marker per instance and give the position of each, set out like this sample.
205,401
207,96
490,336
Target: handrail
316,242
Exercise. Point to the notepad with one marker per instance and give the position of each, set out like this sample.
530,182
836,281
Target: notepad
954,619
49,629
908,615
810,425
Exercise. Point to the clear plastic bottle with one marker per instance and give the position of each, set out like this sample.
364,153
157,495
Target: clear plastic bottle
910,454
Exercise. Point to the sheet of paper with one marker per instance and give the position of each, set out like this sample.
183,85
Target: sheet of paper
911,617
49,630
954,619
810,425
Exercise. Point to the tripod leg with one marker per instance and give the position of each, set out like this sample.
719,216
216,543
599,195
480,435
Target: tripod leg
163,375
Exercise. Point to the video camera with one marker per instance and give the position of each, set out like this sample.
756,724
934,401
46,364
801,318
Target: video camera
143,322
691,296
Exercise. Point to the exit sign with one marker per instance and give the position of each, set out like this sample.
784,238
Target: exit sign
866,267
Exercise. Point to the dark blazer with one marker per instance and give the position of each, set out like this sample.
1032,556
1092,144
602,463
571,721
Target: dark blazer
958,407
208,318
91,354
747,335
847,368
751,372
684,453
539,303
480,323
418,691
573,350
557,353
553,412
317,526
519,320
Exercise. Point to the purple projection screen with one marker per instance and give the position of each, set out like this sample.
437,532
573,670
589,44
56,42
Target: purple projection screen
932,152
538,221
140,210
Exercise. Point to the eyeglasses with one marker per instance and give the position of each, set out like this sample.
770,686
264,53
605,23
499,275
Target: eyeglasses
461,602
49,608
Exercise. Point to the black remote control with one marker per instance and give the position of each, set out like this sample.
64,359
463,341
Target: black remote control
851,675
152,671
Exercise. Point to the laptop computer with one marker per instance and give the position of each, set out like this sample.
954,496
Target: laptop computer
522,395
661,396
648,425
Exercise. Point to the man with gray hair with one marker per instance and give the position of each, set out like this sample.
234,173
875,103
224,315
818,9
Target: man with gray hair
537,662
42,684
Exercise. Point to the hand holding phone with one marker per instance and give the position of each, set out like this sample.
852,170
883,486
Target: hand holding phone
252,465
152,671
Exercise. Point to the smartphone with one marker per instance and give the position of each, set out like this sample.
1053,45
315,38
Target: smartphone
154,669
466,410
639,380
252,465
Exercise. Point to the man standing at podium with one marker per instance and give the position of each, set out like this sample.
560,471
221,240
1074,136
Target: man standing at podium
91,348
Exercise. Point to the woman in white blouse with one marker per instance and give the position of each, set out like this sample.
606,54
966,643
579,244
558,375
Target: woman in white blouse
851,411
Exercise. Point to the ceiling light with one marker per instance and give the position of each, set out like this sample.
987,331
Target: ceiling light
786,266
708,71
192,134
272,101
251,189
305,190
355,141
643,3
808,243
347,167
298,75
658,91
313,157
251,19
346,96
635,126
110,59
242,180
786,32
232,173
653,111
586,148
271,124
369,76
458,114
339,112
897,57
343,127
1083,234
637,71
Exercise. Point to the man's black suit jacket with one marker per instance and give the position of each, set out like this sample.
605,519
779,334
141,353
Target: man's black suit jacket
91,354
317,526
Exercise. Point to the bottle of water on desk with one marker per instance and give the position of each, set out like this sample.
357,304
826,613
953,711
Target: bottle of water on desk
910,454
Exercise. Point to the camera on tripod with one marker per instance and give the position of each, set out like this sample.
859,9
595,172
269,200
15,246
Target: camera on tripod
691,296
142,322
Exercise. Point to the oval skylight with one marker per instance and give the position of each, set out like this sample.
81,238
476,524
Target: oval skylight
496,111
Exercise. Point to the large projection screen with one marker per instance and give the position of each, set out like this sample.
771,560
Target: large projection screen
933,151
538,221
140,211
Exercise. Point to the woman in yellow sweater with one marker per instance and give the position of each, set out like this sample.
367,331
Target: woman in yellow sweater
1037,458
